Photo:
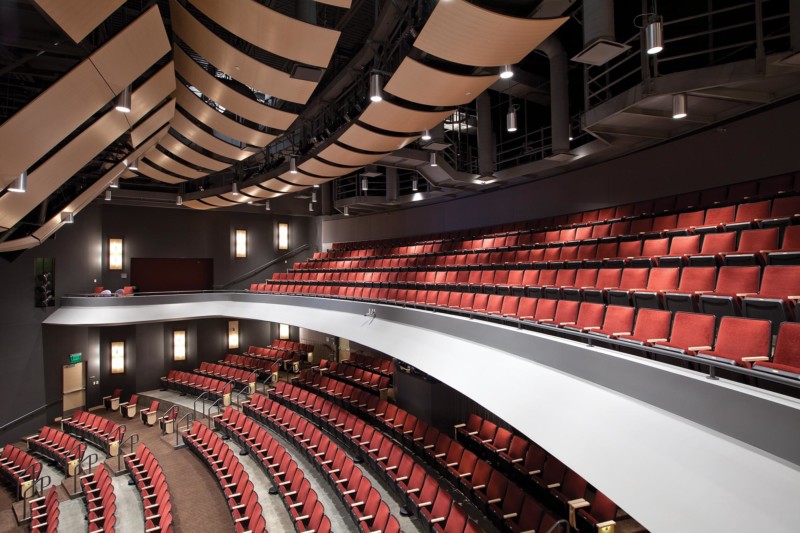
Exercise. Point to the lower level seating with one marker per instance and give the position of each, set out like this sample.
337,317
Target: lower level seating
45,513
21,470
56,445
98,430
149,478
100,500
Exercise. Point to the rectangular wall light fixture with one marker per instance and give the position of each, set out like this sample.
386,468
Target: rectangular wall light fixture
118,357
233,334
241,243
283,331
283,236
179,345
115,254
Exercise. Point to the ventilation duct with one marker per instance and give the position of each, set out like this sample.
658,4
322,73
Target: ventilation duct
559,98
485,144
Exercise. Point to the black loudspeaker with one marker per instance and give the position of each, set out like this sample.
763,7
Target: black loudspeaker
44,293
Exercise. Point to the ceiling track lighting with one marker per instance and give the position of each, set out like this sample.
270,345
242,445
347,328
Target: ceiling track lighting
235,189
20,184
364,183
179,200
426,135
432,160
511,118
680,106
414,185
108,195
375,87
114,183
134,165
123,103
293,165
506,72
67,217
266,205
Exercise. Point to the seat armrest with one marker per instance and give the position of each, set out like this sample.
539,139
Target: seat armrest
755,358
698,348
657,340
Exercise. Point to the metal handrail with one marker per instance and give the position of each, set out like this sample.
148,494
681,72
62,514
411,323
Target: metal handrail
558,525
32,486
79,470
119,431
190,420
122,445
217,404
202,398
26,415
33,478
250,274
244,390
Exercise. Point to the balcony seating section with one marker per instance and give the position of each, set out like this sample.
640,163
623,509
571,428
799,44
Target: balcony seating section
551,484
147,474
190,383
253,364
364,502
100,431
234,482
65,450
364,379
786,358
98,492
19,469
300,500
381,365
45,513
239,376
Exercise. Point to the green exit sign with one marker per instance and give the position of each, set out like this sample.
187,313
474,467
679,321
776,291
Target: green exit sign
74,358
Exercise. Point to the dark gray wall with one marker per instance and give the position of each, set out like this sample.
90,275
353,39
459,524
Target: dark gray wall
755,147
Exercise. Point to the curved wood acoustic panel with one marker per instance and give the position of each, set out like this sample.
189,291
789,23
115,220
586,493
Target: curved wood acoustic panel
200,137
342,156
78,19
391,117
364,139
191,155
438,88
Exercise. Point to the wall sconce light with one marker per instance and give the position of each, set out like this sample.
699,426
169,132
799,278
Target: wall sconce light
118,357
241,243
283,331
233,334
283,236
115,254
179,345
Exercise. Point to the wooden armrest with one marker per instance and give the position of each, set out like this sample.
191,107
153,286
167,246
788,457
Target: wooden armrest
479,487
605,524
436,520
553,485
743,294
578,504
509,515
621,333
459,426
755,358
590,328
698,348
495,500
657,340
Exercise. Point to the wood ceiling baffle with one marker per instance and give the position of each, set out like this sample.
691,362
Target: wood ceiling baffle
78,17
318,168
364,139
391,117
200,137
39,126
231,61
191,155
278,185
212,118
303,179
273,31
337,3
258,192
154,173
153,123
164,161
342,156
416,82
218,201
197,204
228,98
454,29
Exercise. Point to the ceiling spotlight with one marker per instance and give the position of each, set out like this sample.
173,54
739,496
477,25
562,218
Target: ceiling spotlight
426,135
67,217
235,189
375,87
432,160
20,184
313,196
316,185
266,205
179,200
654,35
311,206
506,72
114,183
346,211
414,185
108,195
293,165
123,103
679,106
511,118
134,165
364,183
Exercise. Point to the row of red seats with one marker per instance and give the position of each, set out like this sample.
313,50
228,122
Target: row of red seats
365,379
45,512
149,479
100,431
234,482
526,462
293,346
367,509
431,501
746,247
307,512
20,469
287,358
191,383
733,194
56,445
254,364
240,376
101,506
382,365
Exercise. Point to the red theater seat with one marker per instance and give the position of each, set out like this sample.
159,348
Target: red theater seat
786,358
740,341
690,333
777,297
732,284
652,325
